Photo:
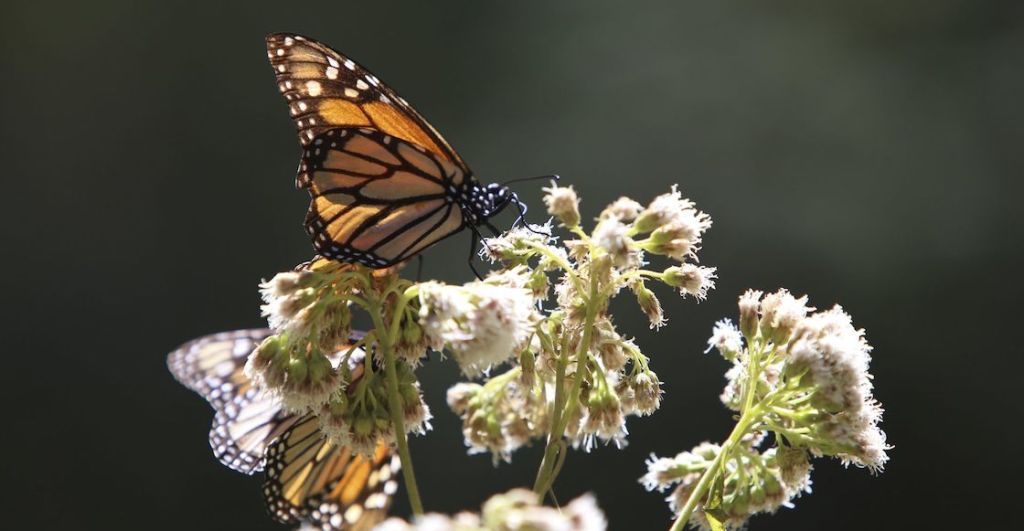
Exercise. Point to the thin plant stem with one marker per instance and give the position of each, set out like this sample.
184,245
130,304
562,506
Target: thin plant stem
547,474
387,346
712,471
750,414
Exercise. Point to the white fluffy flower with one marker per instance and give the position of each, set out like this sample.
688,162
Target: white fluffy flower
611,235
726,338
835,357
482,324
515,510
691,279
780,314
563,204
672,208
518,243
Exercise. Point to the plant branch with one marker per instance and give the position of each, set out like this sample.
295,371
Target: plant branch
387,346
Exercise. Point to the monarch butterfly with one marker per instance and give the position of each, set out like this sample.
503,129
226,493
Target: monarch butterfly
308,478
384,184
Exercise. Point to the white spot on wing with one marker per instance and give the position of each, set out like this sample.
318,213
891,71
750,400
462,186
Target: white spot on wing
361,85
313,88
351,93
332,72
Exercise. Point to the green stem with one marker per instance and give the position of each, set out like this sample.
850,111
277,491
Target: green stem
546,475
750,414
556,415
706,480
387,346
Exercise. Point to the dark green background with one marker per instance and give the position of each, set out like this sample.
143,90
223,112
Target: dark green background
867,153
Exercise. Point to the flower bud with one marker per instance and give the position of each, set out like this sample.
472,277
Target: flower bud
673,240
611,235
750,304
780,314
623,208
646,393
726,339
563,204
690,279
649,304
460,396
297,370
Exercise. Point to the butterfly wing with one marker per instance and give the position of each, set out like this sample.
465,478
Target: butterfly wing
209,365
310,478
324,90
245,419
377,199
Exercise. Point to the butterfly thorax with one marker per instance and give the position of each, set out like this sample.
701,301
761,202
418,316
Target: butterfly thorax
479,202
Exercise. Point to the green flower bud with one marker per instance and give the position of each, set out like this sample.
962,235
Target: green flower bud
319,367
297,370
363,425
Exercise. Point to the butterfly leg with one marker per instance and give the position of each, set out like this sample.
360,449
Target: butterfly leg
522,216
472,253
419,267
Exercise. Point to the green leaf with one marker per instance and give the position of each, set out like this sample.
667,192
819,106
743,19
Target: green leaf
715,523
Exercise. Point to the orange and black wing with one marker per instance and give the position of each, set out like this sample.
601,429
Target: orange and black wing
311,479
245,420
377,199
325,90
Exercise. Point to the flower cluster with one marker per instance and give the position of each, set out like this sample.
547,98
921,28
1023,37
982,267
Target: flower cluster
752,481
813,378
316,363
798,374
516,510
799,378
481,323
574,374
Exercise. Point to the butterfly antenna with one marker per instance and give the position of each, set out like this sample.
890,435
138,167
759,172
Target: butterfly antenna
536,178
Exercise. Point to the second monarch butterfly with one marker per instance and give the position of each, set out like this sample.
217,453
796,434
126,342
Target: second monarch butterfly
308,478
384,184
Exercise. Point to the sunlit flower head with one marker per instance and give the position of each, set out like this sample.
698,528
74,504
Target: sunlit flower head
672,208
516,510
482,324
518,244
780,314
726,338
623,208
691,279
563,203
612,236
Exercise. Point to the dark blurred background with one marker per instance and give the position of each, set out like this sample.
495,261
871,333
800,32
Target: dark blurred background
866,153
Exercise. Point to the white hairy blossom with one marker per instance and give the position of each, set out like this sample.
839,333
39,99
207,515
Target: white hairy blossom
691,279
611,235
518,243
780,314
725,338
516,510
482,324
623,208
835,358
672,208
563,204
